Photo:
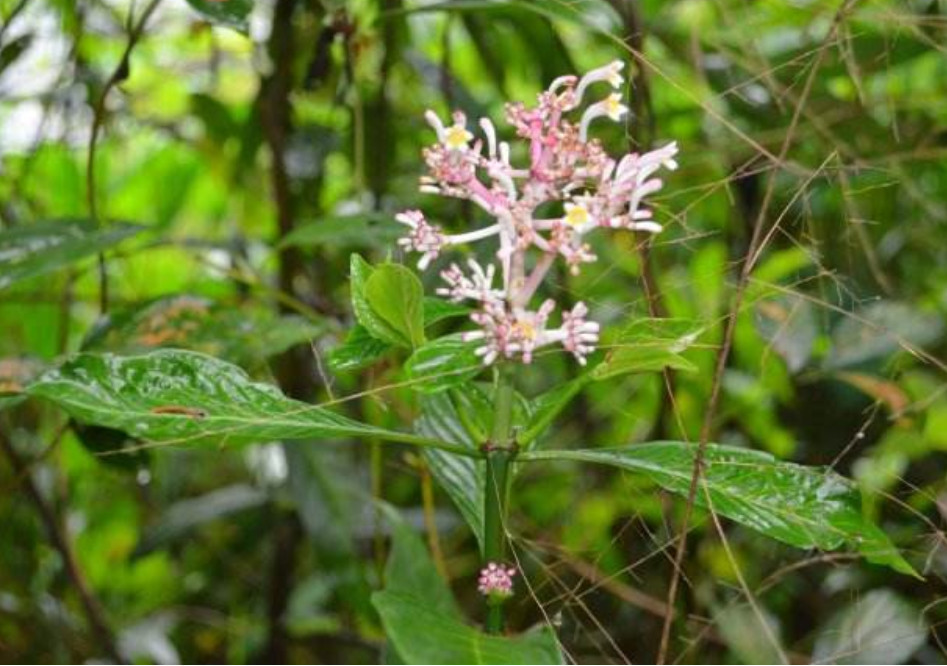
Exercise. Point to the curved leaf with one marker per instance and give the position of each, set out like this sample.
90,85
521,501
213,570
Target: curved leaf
176,396
803,506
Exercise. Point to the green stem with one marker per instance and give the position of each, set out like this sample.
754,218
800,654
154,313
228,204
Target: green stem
500,451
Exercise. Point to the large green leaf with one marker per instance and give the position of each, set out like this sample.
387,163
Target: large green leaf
37,249
231,13
425,626
444,363
802,506
175,396
395,294
423,635
463,479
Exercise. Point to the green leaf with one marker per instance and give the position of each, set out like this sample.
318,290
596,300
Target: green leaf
37,249
395,294
437,309
364,230
361,272
230,13
358,350
423,635
803,506
547,406
241,335
648,345
464,479
444,363
176,396
423,622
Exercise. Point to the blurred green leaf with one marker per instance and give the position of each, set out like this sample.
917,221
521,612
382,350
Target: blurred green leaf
395,294
229,13
805,507
37,249
364,230
183,516
879,330
239,334
877,628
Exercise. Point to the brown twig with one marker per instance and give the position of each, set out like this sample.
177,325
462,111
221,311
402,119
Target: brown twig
119,74
755,247
60,540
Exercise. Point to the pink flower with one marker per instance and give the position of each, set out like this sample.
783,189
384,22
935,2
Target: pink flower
496,581
566,170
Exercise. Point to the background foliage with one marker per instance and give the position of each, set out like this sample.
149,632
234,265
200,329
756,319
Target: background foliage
229,156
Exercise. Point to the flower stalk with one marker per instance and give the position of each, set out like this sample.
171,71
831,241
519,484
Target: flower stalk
499,453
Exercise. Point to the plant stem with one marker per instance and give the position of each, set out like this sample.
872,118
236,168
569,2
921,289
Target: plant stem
500,451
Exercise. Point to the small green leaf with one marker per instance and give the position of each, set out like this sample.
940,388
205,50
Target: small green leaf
648,345
424,623
396,295
802,506
437,309
360,273
230,13
181,397
37,249
444,363
358,350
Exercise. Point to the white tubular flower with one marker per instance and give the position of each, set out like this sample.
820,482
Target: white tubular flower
610,72
490,132
477,287
435,122
611,106
423,237
579,336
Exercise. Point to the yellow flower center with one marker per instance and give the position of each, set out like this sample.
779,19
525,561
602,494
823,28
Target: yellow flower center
613,106
576,215
525,329
457,136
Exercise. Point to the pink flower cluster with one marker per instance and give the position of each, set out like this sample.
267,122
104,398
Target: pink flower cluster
496,581
566,168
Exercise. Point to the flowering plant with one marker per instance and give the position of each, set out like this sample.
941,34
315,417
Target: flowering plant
566,168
